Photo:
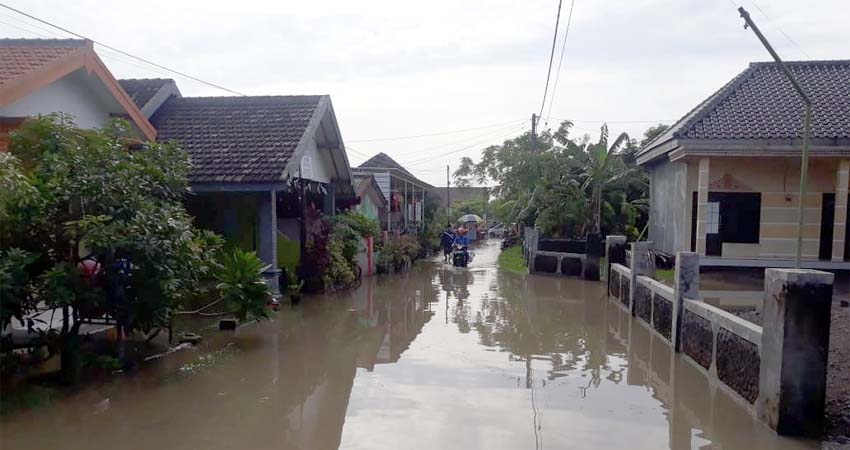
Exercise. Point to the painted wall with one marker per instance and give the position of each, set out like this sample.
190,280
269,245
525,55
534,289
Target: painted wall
82,95
323,168
368,208
669,212
777,179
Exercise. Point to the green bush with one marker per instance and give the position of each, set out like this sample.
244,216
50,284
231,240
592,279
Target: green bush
241,285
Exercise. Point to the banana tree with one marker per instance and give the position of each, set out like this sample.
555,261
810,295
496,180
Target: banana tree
602,165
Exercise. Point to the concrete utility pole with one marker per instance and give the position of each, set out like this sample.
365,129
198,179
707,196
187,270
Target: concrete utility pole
807,123
448,198
534,131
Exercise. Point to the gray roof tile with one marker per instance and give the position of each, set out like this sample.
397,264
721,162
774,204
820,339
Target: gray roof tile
236,139
760,103
141,90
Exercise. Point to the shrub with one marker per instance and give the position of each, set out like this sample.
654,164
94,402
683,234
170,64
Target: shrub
241,285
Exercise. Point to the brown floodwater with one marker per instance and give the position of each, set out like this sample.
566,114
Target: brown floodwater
439,358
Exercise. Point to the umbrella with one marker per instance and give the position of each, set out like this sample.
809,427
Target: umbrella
470,218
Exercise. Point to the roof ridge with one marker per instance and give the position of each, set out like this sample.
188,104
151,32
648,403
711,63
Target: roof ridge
819,62
42,42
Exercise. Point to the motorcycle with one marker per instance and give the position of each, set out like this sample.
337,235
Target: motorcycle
461,257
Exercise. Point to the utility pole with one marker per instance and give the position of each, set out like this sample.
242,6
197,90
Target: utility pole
534,131
807,123
448,198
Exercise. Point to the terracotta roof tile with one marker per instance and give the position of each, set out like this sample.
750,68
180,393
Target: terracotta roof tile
236,139
21,56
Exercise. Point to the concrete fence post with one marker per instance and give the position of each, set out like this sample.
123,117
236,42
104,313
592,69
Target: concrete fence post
685,285
615,253
592,247
641,264
795,345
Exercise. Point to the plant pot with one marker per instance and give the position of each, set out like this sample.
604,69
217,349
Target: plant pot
227,324
295,298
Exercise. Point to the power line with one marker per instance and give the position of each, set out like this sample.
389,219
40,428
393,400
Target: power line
560,61
794,43
501,135
551,57
459,141
439,133
121,51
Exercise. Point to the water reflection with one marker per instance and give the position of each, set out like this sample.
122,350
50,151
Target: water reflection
438,358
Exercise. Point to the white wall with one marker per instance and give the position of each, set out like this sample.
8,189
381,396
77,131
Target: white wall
82,95
323,168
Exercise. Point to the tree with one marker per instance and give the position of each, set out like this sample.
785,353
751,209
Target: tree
101,229
464,173
601,165
653,132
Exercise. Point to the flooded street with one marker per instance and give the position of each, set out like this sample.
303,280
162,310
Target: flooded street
439,358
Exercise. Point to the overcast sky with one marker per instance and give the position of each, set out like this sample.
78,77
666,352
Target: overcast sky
400,68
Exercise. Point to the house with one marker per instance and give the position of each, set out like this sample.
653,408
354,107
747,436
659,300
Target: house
725,177
404,193
263,167
372,202
45,76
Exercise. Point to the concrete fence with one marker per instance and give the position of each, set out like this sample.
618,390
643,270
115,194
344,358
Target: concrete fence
564,257
777,372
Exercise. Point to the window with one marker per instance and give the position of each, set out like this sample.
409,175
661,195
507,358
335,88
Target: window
712,225
739,216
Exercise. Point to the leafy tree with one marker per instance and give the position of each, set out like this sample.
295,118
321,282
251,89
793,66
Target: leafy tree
653,132
601,165
104,227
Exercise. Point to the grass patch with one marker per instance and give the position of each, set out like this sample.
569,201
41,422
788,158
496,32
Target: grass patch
665,276
511,259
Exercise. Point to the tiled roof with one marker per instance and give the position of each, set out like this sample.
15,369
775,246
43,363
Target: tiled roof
236,139
141,90
21,56
383,161
760,103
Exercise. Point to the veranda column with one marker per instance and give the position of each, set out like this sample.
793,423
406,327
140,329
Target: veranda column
842,180
702,204
267,231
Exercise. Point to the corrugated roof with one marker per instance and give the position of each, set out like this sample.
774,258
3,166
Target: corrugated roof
236,139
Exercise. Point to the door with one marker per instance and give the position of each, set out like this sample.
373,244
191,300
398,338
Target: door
827,221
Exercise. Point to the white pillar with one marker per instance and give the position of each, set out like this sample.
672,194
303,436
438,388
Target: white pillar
702,205
842,180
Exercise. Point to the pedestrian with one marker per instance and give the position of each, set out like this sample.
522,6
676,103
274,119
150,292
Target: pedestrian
446,240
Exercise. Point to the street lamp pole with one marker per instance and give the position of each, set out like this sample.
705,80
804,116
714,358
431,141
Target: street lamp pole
807,123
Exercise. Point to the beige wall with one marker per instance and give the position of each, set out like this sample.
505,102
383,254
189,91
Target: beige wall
777,179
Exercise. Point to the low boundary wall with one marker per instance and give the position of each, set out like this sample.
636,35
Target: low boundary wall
775,381
564,257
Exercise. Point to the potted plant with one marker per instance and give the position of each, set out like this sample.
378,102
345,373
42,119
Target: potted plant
294,286
242,288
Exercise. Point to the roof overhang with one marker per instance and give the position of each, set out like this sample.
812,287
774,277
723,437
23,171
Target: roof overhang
82,58
676,149
324,129
395,173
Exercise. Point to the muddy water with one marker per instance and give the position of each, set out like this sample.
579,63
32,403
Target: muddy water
440,358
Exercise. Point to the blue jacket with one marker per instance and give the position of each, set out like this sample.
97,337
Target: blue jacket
462,241
446,239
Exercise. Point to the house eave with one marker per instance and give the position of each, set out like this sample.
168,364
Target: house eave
761,148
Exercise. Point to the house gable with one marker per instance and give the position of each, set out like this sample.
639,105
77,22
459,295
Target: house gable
44,76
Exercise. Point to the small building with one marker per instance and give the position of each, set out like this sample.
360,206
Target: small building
725,177
46,76
264,168
404,193
372,202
